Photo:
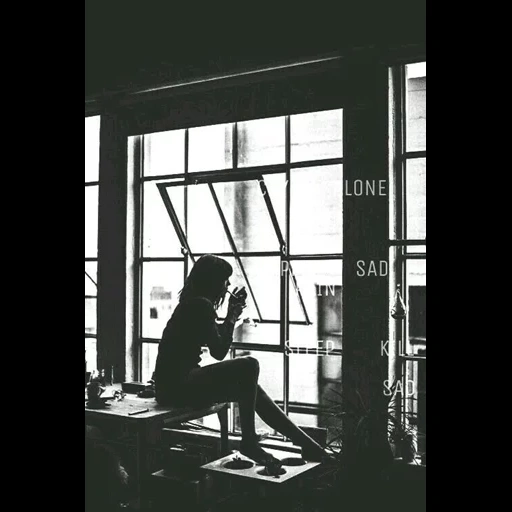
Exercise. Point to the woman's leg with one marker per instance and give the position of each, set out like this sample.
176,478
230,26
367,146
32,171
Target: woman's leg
230,381
275,418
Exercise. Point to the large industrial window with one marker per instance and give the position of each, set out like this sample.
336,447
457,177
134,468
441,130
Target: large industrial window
267,195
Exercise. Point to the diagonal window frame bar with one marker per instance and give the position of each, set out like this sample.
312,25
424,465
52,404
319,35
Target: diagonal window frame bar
185,247
234,249
283,245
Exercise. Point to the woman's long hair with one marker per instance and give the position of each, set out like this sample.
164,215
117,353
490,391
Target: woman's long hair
207,279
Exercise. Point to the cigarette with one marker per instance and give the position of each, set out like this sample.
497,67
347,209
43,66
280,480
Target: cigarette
137,412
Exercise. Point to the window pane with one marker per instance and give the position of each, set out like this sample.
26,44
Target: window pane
317,136
244,207
321,420
417,299
91,279
271,380
205,230
320,285
317,210
313,379
211,148
91,222
92,148
415,392
149,355
160,238
417,199
417,107
164,153
91,354
91,316
417,249
259,334
261,142
161,284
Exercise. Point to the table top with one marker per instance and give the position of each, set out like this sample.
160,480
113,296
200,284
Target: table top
137,409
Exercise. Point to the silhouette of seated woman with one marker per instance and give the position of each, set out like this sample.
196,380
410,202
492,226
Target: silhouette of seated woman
181,382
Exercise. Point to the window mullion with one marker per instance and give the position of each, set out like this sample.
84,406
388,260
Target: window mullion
285,278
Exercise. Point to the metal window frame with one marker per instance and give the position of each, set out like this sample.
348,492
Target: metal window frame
402,244
233,175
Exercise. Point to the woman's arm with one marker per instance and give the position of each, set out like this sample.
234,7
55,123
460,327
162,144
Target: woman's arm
217,338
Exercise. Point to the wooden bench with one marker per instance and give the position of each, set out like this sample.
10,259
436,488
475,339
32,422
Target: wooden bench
142,420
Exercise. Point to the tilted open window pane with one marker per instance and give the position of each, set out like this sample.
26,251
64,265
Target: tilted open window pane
417,199
262,142
317,136
92,148
417,107
164,153
160,238
91,222
211,148
161,284
206,232
246,213
317,210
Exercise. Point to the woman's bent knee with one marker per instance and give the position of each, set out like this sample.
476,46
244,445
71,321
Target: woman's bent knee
251,364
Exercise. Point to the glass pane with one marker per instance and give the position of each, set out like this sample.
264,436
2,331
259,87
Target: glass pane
417,304
160,238
417,249
92,148
205,230
271,380
91,355
262,142
91,306
417,107
320,285
91,279
317,210
313,379
161,284
417,199
164,153
317,136
248,218
415,393
264,278
259,334
320,420
149,355
91,222
211,148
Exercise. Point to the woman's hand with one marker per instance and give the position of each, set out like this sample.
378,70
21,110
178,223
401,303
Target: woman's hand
235,312
236,304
